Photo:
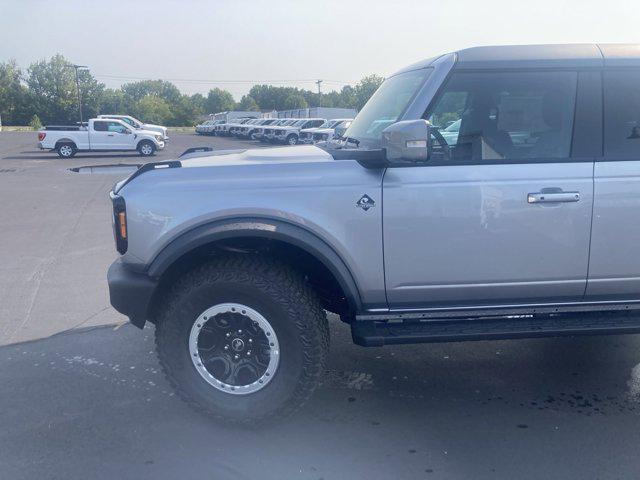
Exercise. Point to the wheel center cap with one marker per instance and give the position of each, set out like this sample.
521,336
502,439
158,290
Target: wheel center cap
237,344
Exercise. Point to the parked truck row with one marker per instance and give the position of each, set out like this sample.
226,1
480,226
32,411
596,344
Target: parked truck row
287,131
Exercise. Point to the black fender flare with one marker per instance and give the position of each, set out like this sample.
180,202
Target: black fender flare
259,228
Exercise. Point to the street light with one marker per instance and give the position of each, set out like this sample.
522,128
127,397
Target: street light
78,67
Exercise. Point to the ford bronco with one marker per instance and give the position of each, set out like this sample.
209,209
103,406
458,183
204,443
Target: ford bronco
524,222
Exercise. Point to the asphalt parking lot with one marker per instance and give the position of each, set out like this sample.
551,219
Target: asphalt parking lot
82,395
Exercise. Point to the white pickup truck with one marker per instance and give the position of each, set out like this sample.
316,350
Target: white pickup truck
99,135
138,125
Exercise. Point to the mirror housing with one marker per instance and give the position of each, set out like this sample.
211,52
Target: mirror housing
406,142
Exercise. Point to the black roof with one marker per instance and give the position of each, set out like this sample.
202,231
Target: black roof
544,56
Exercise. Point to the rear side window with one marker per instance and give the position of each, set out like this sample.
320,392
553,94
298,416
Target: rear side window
100,126
499,116
622,114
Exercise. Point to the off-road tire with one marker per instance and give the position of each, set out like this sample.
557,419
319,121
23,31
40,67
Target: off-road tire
283,297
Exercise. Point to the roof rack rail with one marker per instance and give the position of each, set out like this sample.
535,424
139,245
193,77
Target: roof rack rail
196,150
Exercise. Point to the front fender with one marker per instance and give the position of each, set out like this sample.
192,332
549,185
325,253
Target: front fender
259,228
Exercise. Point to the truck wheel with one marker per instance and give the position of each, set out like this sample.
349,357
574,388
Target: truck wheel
66,150
292,139
243,339
146,148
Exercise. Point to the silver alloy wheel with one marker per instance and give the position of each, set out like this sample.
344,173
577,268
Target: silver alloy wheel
293,140
234,348
146,149
66,150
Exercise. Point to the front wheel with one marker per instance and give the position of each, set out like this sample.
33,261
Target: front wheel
292,139
146,148
242,339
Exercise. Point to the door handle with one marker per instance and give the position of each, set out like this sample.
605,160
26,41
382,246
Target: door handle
110,135
553,196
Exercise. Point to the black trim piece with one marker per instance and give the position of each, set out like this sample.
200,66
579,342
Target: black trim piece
195,150
119,206
259,228
367,158
130,292
377,334
440,313
588,125
148,167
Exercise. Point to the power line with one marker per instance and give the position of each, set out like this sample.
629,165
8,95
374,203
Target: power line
225,81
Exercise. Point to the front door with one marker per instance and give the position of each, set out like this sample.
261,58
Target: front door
501,213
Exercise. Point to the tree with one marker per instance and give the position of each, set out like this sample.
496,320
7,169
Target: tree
294,101
218,100
167,91
365,88
52,90
152,109
248,103
113,101
14,105
186,111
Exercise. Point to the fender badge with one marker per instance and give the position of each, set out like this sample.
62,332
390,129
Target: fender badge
365,202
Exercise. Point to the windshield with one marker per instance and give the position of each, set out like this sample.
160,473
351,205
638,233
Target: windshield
386,106
329,124
299,123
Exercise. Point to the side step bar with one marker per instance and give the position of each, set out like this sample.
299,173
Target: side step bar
379,333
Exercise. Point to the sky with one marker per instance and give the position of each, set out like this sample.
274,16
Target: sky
233,44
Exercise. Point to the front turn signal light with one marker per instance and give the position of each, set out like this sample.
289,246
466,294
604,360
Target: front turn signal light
122,224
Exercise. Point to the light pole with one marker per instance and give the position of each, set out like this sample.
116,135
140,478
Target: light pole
77,67
319,82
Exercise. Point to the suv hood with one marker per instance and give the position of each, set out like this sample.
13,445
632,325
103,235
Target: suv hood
259,156
232,164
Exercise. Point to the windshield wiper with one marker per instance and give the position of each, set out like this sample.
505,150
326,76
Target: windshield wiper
355,141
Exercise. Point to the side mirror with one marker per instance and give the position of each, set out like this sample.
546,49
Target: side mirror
406,142
338,132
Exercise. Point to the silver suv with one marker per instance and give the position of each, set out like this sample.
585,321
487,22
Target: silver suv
523,223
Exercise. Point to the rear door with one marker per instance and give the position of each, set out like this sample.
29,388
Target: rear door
501,213
614,272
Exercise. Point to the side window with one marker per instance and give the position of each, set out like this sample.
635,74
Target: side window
116,127
622,114
100,126
493,116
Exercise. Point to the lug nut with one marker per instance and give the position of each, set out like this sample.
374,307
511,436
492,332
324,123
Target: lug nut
226,347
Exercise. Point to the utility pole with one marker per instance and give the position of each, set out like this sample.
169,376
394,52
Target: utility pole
77,67
319,82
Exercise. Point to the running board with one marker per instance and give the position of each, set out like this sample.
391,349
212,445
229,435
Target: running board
376,333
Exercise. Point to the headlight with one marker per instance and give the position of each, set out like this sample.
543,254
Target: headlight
325,136
159,138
